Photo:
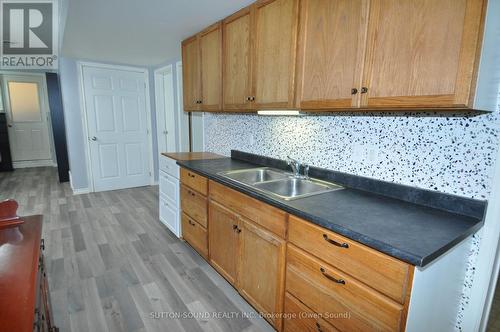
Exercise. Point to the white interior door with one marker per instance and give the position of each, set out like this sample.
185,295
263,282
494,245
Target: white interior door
117,123
165,110
27,116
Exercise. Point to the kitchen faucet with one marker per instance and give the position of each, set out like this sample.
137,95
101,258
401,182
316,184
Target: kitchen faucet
295,165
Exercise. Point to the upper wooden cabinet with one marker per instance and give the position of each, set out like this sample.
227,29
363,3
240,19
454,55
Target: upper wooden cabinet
211,68
191,74
422,53
331,53
396,54
202,70
337,54
273,72
259,56
236,60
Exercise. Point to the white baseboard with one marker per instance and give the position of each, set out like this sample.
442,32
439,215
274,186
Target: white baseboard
81,191
78,191
33,163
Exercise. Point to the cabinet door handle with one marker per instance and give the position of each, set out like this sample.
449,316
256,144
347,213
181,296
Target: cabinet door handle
364,89
235,227
191,175
326,275
191,223
252,98
42,244
335,243
354,91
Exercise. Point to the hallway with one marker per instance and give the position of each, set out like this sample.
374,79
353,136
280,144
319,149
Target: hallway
113,266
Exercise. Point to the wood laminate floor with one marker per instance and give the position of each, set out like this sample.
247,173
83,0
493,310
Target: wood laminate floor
112,266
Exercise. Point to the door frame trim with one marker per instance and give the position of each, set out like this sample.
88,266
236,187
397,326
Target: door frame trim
160,97
147,96
183,118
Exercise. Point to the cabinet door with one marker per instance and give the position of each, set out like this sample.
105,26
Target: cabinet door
331,53
223,241
275,48
421,53
262,270
211,68
191,74
237,61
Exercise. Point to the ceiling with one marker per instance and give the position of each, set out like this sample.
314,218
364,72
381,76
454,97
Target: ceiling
144,33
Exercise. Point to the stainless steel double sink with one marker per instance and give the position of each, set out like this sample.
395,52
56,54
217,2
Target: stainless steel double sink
279,183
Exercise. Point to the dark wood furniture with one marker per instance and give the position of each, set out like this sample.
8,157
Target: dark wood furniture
24,290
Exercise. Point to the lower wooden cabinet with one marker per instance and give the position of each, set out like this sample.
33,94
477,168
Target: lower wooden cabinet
297,275
299,318
325,289
194,205
262,270
251,258
223,240
195,234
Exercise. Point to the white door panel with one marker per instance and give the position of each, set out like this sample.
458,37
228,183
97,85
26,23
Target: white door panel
117,128
27,116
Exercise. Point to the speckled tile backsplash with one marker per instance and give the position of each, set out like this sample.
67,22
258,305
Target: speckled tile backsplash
452,153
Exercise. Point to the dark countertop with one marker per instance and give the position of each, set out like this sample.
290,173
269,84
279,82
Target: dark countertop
413,233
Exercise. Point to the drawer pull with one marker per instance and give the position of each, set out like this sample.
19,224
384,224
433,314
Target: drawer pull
191,193
338,281
318,327
191,223
191,175
335,243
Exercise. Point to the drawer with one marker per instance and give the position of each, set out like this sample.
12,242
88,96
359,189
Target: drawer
169,215
326,289
169,187
381,272
194,205
169,166
265,215
194,181
299,318
195,235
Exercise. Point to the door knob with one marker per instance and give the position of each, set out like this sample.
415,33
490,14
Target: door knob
94,138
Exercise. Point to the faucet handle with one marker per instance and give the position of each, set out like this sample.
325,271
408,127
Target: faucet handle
306,171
